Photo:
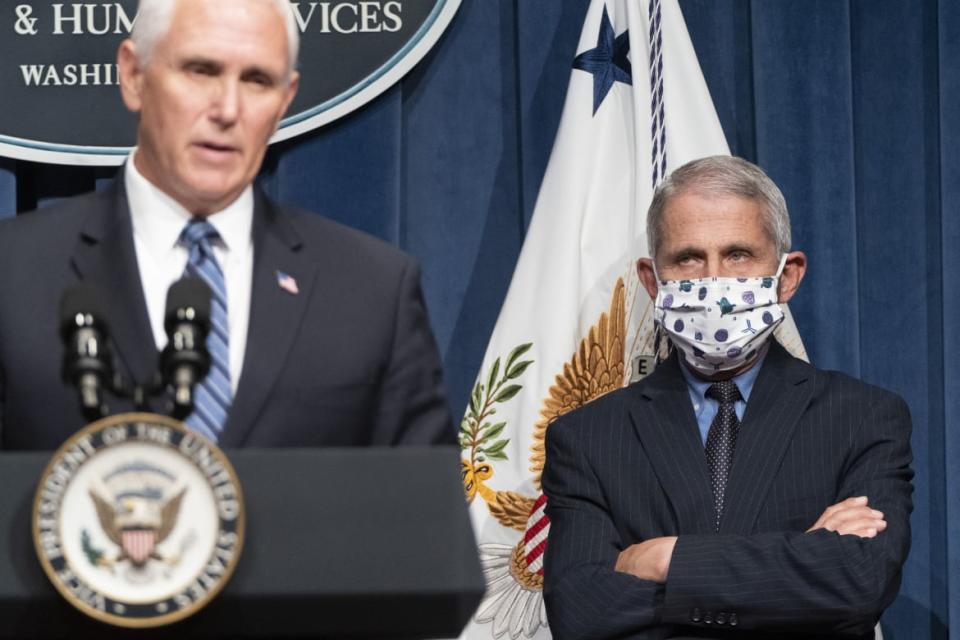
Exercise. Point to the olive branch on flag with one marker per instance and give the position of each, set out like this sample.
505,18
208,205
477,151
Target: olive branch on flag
478,432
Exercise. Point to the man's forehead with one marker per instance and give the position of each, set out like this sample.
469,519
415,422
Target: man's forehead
223,31
692,210
218,4
700,221
211,15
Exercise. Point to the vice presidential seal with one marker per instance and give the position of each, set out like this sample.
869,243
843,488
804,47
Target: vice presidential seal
138,521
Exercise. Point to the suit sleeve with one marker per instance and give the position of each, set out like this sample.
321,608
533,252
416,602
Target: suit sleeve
585,597
412,404
3,397
821,580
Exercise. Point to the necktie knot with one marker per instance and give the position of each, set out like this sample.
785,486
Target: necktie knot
724,392
198,232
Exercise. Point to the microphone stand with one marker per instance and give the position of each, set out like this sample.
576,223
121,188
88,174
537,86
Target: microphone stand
183,363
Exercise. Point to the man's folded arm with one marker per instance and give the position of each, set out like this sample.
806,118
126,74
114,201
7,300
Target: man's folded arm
585,597
819,579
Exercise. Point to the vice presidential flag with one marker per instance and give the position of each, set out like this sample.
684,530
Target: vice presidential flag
576,322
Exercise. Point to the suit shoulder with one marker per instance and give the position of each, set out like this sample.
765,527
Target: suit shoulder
830,384
848,387
51,229
606,414
353,245
67,212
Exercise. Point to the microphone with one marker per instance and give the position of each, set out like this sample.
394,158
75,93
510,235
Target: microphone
86,359
185,360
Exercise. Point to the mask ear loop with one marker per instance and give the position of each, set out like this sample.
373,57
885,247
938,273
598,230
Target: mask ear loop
783,262
662,346
658,338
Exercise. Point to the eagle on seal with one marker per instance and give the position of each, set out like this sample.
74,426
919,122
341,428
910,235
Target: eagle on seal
138,522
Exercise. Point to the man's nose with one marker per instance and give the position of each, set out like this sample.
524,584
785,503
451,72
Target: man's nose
227,102
712,268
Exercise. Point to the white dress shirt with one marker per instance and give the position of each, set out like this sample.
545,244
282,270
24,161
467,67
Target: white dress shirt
158,221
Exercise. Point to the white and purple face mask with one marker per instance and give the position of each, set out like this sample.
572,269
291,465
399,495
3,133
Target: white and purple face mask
719,324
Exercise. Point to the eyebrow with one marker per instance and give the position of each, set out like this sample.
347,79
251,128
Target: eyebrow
746,248
686,251
699,252
186,61
212,63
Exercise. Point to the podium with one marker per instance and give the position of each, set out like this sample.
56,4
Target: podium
340,543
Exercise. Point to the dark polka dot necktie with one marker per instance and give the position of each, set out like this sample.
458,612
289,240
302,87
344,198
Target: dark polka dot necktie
721,441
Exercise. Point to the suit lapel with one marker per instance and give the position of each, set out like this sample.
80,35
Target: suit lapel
665,423
275,316
780,396
105,255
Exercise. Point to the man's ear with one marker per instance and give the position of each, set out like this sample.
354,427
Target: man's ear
793,270
131,76
647,276
292,88
290,92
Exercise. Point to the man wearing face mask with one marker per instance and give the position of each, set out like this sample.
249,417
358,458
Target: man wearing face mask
735,490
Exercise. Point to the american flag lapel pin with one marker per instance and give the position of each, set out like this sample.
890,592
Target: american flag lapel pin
288,283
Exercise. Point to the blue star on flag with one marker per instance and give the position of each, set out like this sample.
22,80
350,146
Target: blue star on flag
607,62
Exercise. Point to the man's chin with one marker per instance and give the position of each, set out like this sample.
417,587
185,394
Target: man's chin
205,198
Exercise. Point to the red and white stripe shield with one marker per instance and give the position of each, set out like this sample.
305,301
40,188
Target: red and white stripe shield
535,537
138,544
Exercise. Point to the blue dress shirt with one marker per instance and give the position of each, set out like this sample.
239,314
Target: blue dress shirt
705,409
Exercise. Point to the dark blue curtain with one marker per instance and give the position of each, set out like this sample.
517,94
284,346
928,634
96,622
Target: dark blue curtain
848,107
852,107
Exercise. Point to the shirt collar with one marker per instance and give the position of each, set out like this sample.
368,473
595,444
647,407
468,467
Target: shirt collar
158,220
744,381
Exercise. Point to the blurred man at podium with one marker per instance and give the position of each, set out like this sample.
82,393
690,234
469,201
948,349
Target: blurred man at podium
320,335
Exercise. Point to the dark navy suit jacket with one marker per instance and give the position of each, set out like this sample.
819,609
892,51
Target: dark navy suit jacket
350,360
631,466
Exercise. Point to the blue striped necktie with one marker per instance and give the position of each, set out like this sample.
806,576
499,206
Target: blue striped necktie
212,397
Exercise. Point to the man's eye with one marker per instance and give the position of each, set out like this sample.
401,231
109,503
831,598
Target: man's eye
201,70
259,80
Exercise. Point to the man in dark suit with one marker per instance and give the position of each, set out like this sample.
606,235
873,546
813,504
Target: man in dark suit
325,338
736,491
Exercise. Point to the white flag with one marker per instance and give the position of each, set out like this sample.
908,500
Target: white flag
576,322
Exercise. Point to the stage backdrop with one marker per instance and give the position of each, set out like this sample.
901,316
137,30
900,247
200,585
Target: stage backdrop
852,107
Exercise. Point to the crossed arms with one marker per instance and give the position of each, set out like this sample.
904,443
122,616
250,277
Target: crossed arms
650,559
835,575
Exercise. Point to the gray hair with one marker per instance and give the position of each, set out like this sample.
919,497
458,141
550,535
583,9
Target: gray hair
722,176
155,16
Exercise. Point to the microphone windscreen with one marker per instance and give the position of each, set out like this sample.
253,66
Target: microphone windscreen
184,294
82,298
